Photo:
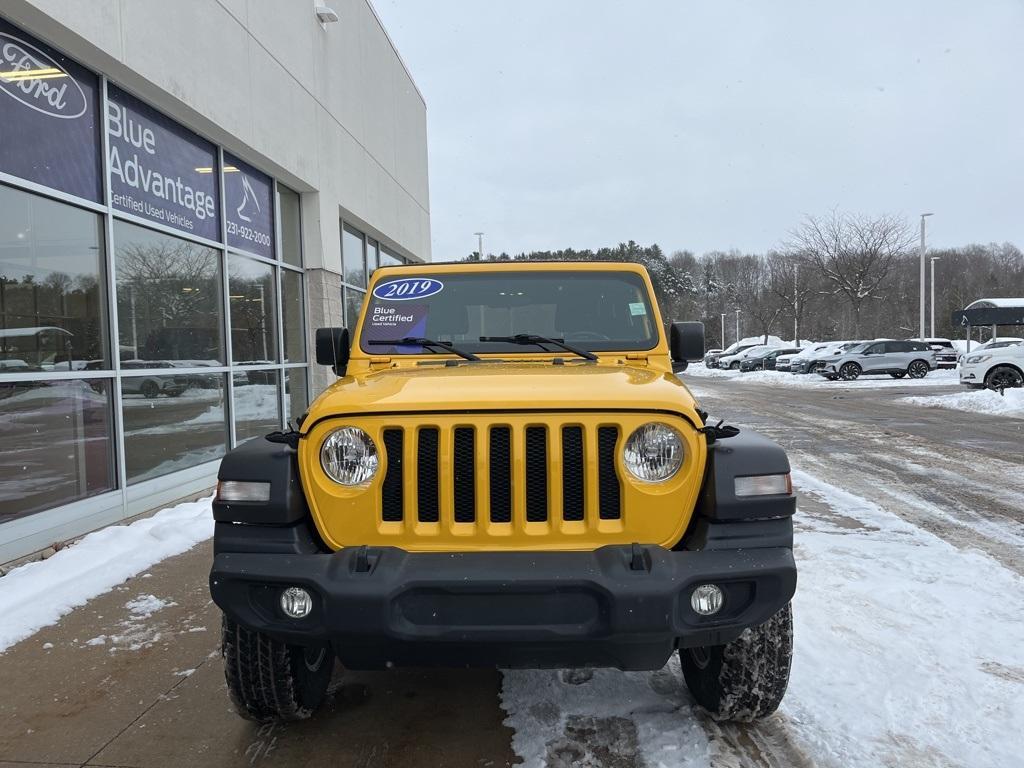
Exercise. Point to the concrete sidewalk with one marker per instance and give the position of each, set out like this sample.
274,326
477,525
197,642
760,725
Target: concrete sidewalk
108,686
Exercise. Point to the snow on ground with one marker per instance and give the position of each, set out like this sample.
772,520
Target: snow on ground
909,651
942,377
1010,403
37,594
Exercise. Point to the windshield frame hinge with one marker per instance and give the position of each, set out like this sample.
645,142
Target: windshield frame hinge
638,357
384,361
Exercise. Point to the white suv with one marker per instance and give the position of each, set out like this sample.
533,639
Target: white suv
998,368
896,358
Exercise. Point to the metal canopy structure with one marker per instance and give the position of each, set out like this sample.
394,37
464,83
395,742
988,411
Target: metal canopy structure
991,312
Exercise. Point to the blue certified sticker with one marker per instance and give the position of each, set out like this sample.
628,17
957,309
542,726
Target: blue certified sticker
406,288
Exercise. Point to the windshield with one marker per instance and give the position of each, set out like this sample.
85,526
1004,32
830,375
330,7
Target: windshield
859,347
596,311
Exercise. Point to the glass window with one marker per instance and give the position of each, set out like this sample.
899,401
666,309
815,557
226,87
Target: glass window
353,301
171,422
168,298
253,311
292,317
597,311
52,306
372,255
295,399
257,407
352,257
56,444
291,232
388,259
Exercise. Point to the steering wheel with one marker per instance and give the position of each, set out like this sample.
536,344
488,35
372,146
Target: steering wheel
586,336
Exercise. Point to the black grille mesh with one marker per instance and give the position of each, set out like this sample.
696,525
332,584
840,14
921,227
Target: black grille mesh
464,475
501,475
391,488
609,490
536,475
426,476
572,473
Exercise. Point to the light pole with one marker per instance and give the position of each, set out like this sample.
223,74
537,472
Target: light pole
723,330
933,260
923,216
737,326
480,244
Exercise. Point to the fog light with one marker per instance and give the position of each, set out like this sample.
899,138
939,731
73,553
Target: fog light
707,600
296,602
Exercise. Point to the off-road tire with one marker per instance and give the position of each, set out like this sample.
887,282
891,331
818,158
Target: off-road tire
746,679
1003,377
849,372
918,369
898,374
270,681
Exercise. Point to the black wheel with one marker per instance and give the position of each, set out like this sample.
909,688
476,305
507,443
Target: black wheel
898,374
918,369
269,681
746,679
849,371
734,366
1004,377
150,389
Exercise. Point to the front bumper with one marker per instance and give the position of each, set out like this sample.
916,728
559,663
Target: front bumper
972,375
618,606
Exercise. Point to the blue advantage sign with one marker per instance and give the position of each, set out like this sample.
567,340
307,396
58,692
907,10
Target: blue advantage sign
48,121
248,207
159,170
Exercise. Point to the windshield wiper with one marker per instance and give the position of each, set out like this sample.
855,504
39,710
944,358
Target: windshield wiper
417,341
540,341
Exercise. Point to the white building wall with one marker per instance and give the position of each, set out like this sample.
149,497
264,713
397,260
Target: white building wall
329,108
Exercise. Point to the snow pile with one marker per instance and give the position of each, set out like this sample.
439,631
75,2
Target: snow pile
38,594
909,651
144,606
1010,403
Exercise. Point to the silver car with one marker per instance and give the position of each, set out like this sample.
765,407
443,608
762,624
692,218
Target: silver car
896,358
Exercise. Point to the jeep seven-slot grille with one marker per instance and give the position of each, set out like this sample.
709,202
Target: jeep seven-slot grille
530,451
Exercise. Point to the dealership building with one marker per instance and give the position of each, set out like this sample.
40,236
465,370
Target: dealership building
187,190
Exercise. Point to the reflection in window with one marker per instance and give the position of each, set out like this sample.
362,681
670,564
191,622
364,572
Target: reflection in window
168,298
295,398
291,239
352,257
52,313
292,316
388,259
56,444
372,255
353,301
173,430
253,311
257,407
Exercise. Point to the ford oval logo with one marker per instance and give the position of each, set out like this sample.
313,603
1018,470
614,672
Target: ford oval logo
406,288
37,81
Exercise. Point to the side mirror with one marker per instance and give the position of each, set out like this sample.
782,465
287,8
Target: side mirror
332,348
686,344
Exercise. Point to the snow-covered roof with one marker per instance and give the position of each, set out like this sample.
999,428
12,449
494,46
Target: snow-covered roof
12,333
996,303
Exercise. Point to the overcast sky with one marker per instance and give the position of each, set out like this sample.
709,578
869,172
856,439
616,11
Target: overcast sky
714,125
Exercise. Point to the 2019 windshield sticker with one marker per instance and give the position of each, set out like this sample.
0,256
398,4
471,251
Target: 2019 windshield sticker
406,288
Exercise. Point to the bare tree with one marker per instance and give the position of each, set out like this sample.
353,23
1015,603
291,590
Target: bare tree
853,253
790,281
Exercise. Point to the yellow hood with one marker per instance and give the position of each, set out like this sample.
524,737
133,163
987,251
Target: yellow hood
505,386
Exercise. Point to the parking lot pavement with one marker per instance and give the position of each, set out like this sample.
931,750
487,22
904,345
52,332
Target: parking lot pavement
110,685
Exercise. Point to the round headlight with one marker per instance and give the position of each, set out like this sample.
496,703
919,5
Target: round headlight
654,452
348,456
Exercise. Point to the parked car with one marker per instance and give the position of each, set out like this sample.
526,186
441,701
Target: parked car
811,362
155,383
895,358
734,360
711,353
998,367
945,352
713,361
765,360
997,343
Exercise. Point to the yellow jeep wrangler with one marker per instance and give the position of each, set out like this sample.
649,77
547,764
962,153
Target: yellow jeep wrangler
508,472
